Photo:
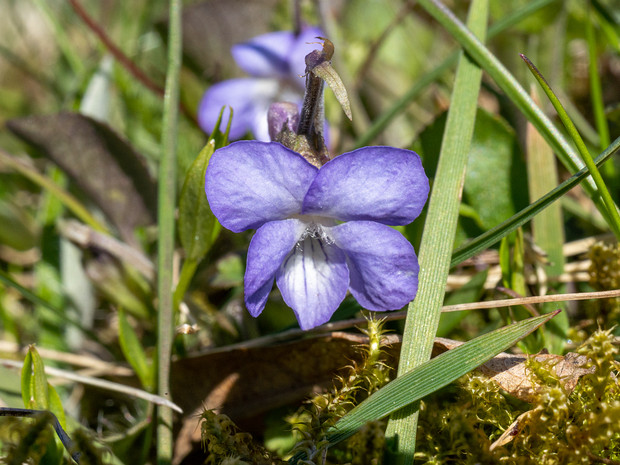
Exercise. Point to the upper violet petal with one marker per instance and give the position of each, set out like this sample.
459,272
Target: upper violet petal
383,266
266,55
382,184
268,248
249,183
313,280
249,98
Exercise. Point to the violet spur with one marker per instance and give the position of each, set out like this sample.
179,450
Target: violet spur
321,232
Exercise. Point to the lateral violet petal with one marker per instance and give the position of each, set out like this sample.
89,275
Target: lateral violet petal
268,248
313,280
266,55
249,98
249,183
382,184
383,266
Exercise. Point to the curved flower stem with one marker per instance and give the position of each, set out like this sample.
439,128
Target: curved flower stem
581,147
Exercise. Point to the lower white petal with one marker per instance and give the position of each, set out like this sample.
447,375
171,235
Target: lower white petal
313,280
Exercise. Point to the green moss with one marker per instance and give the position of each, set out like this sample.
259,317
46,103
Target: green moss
558,427
604,276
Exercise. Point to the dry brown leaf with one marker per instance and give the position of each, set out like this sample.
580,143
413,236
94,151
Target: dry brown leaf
245,382
511,374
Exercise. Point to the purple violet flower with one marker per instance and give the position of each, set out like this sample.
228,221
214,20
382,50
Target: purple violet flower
276,63
321,232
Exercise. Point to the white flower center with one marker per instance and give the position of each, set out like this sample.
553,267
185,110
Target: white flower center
317,228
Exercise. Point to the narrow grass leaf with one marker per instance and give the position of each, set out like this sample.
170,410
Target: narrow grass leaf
166,203
427,79
612,210
439,231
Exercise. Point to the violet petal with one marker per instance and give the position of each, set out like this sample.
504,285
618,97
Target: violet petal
249,98
383,266
249,183
268,248
266,55
313,280
382,184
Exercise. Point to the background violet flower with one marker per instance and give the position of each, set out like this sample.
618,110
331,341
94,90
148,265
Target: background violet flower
276,63
321,232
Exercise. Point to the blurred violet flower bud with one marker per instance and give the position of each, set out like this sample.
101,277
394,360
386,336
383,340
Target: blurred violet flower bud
275,62
321,231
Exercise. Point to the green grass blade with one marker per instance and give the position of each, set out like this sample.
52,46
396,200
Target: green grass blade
612,210
548,226
165,247
431,376
596,92
401,104
494,235
508,83
440,228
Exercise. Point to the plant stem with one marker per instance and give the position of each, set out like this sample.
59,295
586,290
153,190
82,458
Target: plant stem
165,246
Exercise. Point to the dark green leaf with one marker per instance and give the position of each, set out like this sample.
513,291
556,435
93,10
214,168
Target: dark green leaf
198,227
35,391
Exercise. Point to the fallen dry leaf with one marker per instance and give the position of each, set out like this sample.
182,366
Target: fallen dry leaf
511,374
246,382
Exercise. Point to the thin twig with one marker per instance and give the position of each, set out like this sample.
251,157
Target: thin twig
538,299
392,316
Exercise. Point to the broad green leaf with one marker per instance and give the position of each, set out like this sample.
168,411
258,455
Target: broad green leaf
198,227
430,376
134,353
35,391
495,170
494,155
494,235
